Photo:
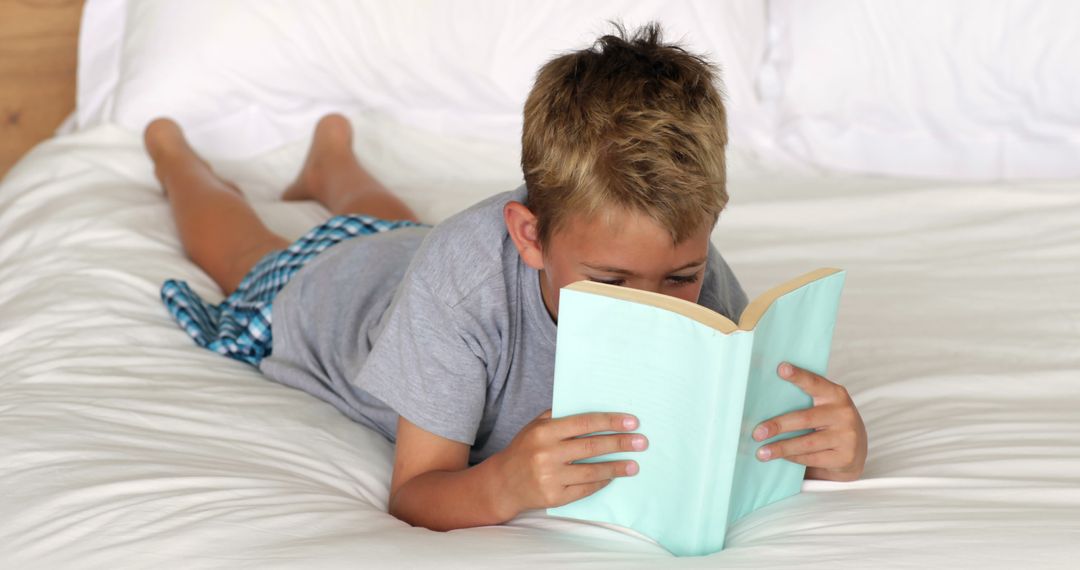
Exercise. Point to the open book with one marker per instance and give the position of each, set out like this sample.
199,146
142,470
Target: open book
699,384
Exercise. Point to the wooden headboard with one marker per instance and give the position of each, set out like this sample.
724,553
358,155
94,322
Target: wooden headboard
38,42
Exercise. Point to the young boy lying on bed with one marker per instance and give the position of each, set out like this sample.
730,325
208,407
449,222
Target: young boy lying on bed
442,339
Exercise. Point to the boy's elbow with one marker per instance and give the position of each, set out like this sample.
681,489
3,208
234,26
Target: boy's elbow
408,505
397,507
393,507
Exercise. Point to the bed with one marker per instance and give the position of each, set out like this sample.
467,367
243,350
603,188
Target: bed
122,444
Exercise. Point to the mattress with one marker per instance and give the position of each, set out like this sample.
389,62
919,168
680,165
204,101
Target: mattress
122,444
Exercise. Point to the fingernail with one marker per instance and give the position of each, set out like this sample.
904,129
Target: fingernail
631,469
761,432
785,370
629,423
764,453
638,442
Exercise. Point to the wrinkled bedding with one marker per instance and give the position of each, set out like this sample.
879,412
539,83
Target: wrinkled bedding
124,444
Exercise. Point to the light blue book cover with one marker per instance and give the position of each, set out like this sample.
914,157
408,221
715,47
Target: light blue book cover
699,385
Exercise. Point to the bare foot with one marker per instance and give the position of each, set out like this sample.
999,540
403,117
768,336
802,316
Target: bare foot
167,147
332,141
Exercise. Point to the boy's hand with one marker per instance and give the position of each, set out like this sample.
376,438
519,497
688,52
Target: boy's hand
535,468
837,449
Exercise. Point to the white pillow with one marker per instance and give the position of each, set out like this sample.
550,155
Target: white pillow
976,89
244,76
101,45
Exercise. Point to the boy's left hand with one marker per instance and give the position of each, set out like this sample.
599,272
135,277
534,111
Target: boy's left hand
836,450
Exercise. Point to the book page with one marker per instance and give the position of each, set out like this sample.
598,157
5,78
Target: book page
619,356
796,328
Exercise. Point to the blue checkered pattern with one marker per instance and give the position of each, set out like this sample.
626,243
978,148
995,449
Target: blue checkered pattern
239,327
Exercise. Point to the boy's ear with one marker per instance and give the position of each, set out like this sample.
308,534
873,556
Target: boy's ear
521,224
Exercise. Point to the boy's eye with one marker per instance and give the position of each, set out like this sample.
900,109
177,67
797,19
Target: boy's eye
683,279
675,279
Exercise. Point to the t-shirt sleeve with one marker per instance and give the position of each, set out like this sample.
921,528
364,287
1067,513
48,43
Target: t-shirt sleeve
425,367
721,290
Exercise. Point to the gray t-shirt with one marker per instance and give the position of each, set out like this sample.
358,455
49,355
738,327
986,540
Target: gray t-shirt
446,327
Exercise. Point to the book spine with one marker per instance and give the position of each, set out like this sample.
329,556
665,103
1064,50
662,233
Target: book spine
728,397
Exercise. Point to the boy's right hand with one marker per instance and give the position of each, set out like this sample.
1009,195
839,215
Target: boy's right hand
535,469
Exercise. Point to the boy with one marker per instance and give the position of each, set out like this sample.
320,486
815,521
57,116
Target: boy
443,339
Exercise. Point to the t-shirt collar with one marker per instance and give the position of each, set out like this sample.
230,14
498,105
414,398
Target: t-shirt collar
534,300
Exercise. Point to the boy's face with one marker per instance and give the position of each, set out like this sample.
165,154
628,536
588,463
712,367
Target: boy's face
619,247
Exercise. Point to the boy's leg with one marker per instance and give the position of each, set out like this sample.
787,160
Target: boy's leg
218,228
332,175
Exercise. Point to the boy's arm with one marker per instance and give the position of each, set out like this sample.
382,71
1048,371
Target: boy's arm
433,486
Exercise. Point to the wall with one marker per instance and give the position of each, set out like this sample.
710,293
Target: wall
38,41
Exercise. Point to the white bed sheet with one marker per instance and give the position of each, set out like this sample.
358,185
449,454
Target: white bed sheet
122,444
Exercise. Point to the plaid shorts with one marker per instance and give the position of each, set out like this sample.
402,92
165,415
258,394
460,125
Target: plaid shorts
239,326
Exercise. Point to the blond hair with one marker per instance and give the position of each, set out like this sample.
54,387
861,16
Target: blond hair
630,122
